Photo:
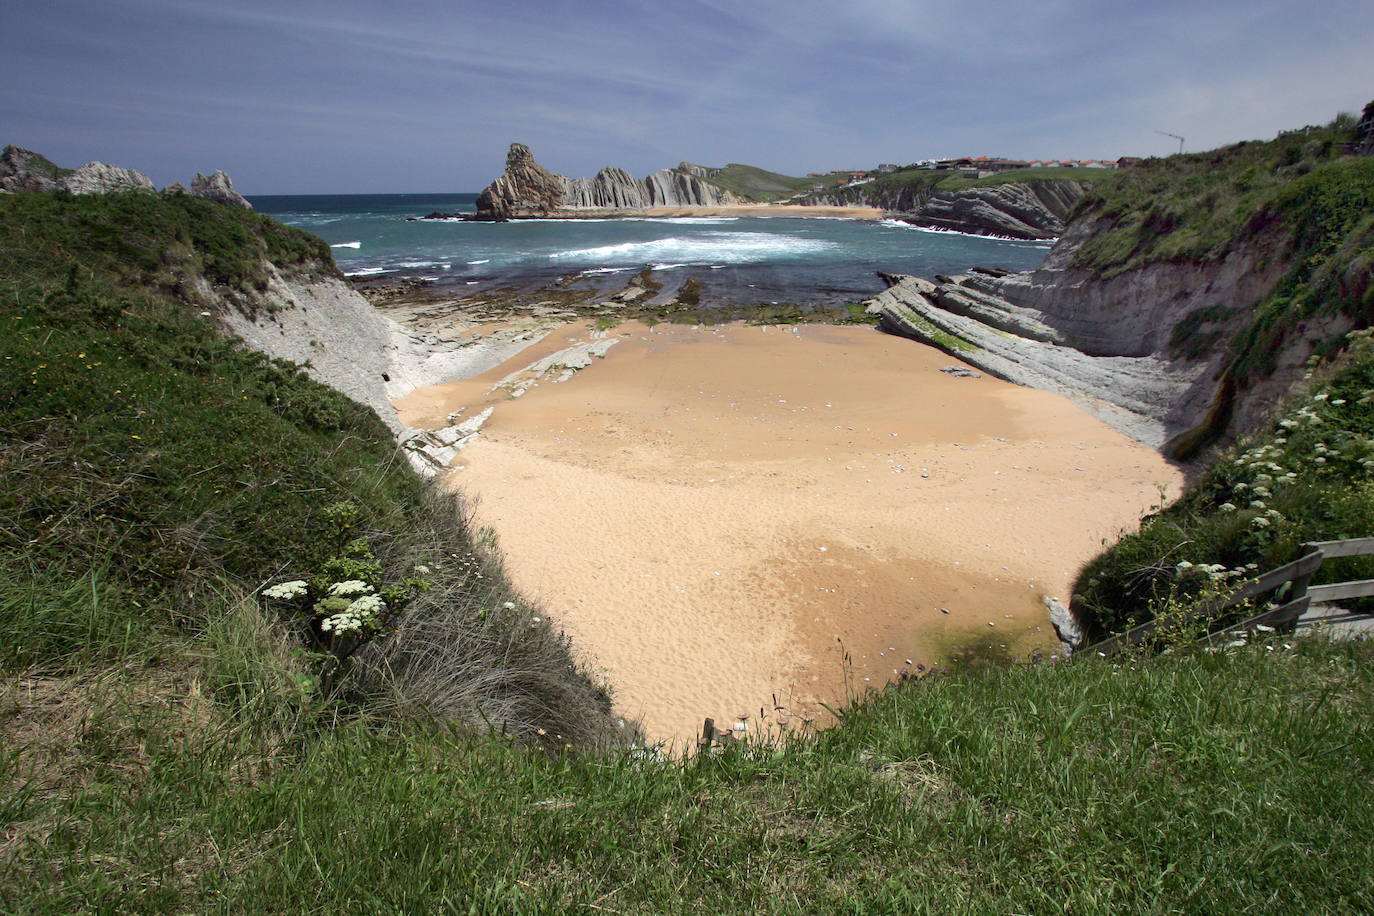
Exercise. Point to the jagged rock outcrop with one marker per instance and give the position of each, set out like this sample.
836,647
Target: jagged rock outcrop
25,170
527,190
1033,210
218,187
1019,210
100,178
1110,343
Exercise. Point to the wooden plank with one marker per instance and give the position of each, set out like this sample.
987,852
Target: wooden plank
1325,594
1354,547
1275,617
1304,565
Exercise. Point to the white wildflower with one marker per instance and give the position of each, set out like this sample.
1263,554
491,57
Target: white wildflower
350,588
1227,507
286,591
1259,521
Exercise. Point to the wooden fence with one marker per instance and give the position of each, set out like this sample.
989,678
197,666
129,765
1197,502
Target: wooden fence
1295,602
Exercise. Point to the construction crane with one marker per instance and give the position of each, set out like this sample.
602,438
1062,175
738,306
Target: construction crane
1175,136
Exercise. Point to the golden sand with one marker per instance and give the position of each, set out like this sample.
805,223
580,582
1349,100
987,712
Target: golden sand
717,515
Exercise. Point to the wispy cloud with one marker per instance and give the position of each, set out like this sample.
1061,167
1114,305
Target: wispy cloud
321,95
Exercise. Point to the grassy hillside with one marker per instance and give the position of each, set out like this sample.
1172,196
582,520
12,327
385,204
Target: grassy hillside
157,474
758,184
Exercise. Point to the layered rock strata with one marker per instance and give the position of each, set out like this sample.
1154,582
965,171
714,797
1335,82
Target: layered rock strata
1144,350
1018,210
527,190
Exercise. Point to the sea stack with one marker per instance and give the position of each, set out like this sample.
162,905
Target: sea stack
527,190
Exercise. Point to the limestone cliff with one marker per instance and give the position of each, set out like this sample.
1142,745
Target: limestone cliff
527,190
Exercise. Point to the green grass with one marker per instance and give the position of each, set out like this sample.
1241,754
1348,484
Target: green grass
753,183
1195,783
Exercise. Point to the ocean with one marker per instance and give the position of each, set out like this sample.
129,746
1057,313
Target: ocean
738,260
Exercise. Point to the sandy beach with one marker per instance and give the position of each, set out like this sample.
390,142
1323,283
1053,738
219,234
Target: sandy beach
721,516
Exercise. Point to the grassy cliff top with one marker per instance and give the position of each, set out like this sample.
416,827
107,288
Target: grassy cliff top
758,184
1200,206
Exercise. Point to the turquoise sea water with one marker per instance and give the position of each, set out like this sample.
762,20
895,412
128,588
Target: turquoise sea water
736,259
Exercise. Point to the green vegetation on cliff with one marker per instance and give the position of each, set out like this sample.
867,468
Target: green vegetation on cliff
1301,198
907,189
753,183
1309,476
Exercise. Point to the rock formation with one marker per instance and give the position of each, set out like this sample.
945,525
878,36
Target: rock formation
527,190
100,178
25,170
219,188
1020,210
1109,343
1033,210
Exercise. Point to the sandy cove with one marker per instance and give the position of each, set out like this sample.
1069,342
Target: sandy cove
716,515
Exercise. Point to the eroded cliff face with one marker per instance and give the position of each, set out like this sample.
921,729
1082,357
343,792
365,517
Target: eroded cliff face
1145,349
527,190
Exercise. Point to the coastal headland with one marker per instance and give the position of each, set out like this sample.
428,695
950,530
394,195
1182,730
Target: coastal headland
736,518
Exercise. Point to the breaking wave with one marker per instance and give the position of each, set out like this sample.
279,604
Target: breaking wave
709,247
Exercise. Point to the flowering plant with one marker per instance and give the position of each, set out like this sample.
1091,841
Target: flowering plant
345,604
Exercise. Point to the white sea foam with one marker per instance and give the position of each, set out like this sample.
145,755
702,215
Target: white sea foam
445,265
1022,243
604,270
368,271
347,245
707,248
681,220
483,261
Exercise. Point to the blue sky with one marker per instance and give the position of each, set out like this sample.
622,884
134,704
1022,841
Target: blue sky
339,97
